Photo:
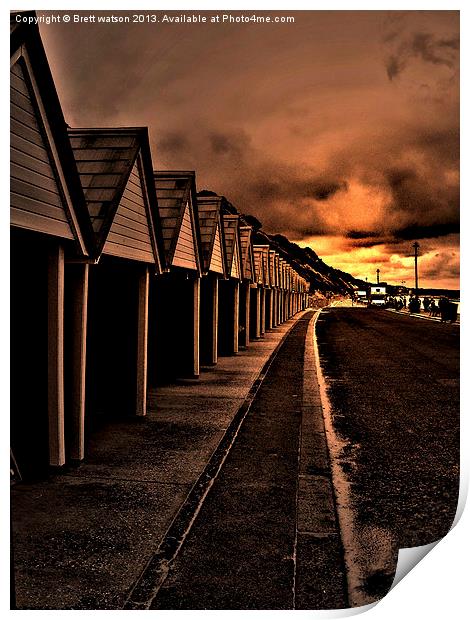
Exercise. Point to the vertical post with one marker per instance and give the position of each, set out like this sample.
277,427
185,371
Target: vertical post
416,247
55,365
79,296
215,318
236,315
263,311
247,313
269,311
196,316
258,312
142,341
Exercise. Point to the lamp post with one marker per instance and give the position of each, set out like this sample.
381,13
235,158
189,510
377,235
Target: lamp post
416,247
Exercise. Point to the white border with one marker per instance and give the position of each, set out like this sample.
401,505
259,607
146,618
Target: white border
438,587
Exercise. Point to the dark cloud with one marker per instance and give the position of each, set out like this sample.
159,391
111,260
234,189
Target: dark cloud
298,126
433,231
362,234
324,191
423,46
230,144
172,143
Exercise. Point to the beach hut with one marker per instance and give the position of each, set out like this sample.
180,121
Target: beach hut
277,280
267,290
229,291
49,228
214,266
257,317
248,274
115,169
175,295
272,279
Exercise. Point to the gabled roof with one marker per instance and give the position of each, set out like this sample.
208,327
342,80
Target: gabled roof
282,273
277,270
248,264
265,260
272,267
178,209
30,67
115,169
212,231
232,245
258,252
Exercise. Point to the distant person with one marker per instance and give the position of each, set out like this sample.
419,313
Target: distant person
433,309
426,303
444,308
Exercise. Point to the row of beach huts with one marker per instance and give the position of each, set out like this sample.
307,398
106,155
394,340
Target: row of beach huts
122,278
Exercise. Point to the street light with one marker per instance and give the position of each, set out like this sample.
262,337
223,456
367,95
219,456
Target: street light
416,248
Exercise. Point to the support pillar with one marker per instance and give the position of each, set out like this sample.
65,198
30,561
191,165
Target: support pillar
215,319
142,342
258,312
196,317
78,278
270,324
263,311
236,315
55,357
246,310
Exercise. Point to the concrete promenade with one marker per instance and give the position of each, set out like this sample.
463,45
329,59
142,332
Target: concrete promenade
136,493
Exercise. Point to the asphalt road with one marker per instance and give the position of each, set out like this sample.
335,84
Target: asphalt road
393,385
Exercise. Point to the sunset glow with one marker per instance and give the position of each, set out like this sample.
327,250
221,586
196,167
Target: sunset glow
340,131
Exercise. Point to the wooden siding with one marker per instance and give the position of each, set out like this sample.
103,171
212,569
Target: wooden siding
231,228
185,255
258,265
212,237
174,195
216,264
267,280
272,267
36,201
129,235
246,252
235,273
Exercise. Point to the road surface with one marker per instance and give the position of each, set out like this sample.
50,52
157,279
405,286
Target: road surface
393,386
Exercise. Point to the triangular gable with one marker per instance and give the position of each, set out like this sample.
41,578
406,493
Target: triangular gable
247,259
116,174
212,231
129,235
217,260
272,267
231,223
277,276
236,266
185,253
176,207
45,193
265,264
281,273
258,256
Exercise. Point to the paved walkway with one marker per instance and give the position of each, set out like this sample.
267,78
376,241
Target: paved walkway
83,538
266,536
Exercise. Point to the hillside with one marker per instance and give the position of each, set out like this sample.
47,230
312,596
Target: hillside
305,261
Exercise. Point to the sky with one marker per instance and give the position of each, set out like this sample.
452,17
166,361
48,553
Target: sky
339,131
